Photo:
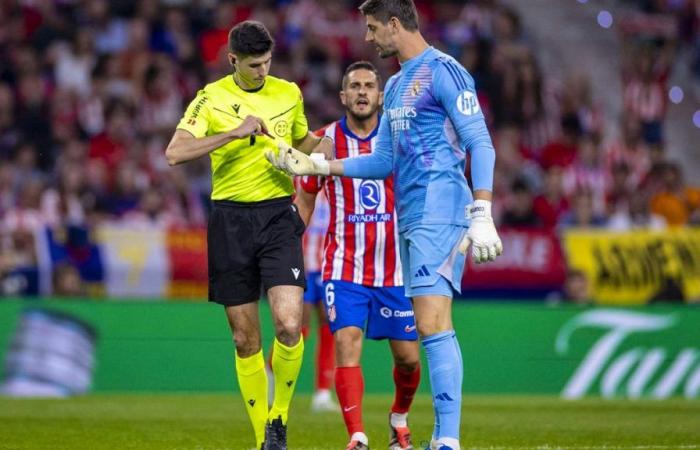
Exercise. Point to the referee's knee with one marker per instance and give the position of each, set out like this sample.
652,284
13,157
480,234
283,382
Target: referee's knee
247,343
289,332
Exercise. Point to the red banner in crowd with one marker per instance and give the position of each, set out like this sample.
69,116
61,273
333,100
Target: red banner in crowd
187,251
531,259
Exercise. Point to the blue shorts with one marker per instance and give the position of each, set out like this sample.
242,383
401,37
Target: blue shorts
314,288
383,312
432,264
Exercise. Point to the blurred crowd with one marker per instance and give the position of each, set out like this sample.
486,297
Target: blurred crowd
91,90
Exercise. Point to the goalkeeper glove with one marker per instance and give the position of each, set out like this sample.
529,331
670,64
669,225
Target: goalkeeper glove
482,235
295,162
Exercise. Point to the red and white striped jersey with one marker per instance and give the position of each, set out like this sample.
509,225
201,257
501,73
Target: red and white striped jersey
361,244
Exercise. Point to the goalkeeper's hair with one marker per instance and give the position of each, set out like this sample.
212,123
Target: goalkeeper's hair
384,10
250,38
361,65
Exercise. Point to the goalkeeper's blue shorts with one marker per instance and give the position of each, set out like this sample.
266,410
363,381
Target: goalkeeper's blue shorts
383,312
432,264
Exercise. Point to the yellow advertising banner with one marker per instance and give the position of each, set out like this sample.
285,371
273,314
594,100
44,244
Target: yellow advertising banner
637,267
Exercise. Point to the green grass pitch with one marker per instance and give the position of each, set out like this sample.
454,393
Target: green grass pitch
209,422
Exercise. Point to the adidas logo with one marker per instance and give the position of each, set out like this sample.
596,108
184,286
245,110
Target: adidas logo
296,273
444,397
251,402
422,272
290,383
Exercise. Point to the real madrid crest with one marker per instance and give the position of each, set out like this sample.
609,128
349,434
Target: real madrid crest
415,89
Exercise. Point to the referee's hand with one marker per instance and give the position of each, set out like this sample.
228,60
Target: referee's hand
251,126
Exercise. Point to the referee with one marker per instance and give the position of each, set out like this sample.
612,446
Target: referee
254,231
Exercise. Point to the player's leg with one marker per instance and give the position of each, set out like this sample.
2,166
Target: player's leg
432,273
392,318
250,364
347,309
406,380
325,364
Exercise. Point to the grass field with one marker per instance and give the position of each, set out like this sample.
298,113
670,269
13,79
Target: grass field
208,422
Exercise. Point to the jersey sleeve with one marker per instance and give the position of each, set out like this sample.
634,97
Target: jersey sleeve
379,163
300,127
197,116
310,184
455,91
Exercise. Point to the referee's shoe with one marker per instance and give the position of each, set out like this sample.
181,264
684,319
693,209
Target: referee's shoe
275,435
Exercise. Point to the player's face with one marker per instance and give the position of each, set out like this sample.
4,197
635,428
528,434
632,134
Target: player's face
382,36
361,95
251,70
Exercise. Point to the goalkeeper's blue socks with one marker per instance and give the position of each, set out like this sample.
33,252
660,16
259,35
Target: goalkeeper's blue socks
445,370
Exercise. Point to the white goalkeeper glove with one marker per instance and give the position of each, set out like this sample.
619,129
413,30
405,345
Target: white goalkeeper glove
297,163
482,235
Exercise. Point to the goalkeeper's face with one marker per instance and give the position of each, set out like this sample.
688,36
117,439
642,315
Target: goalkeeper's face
383,36
361,95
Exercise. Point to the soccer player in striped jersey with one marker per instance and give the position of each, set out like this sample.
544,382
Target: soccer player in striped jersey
362,273
431,119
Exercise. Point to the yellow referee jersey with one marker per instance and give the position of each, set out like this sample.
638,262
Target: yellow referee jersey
240,171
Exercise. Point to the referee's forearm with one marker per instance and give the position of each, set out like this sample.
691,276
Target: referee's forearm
184,147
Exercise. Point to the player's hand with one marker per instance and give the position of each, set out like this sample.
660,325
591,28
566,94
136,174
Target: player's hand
482,234
251,126
276,157
297,163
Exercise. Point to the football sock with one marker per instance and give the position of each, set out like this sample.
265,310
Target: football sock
350,386
325,358
286,362
445,372
252,380
406,384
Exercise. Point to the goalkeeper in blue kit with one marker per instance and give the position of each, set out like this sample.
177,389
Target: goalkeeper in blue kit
431,119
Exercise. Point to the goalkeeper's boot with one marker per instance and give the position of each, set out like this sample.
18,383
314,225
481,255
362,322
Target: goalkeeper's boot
275,435
399,437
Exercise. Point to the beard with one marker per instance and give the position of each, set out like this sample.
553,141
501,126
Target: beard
362,116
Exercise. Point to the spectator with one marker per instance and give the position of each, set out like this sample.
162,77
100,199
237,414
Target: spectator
519,212
676,203
551,205
582,214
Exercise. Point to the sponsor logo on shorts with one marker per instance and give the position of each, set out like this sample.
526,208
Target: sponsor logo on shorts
296,273
409,328
387,313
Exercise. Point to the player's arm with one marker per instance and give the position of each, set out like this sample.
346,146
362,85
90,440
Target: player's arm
315,144
305,201
190,140
455,90
376,165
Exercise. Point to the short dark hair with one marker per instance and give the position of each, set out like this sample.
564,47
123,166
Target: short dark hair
250,38
383,10
361,65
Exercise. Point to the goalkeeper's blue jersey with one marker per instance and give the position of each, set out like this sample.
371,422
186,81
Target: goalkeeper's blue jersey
431,118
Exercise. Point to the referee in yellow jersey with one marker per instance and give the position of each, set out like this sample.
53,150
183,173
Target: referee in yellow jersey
254,231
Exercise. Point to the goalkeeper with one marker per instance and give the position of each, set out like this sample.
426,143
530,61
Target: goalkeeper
431,120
